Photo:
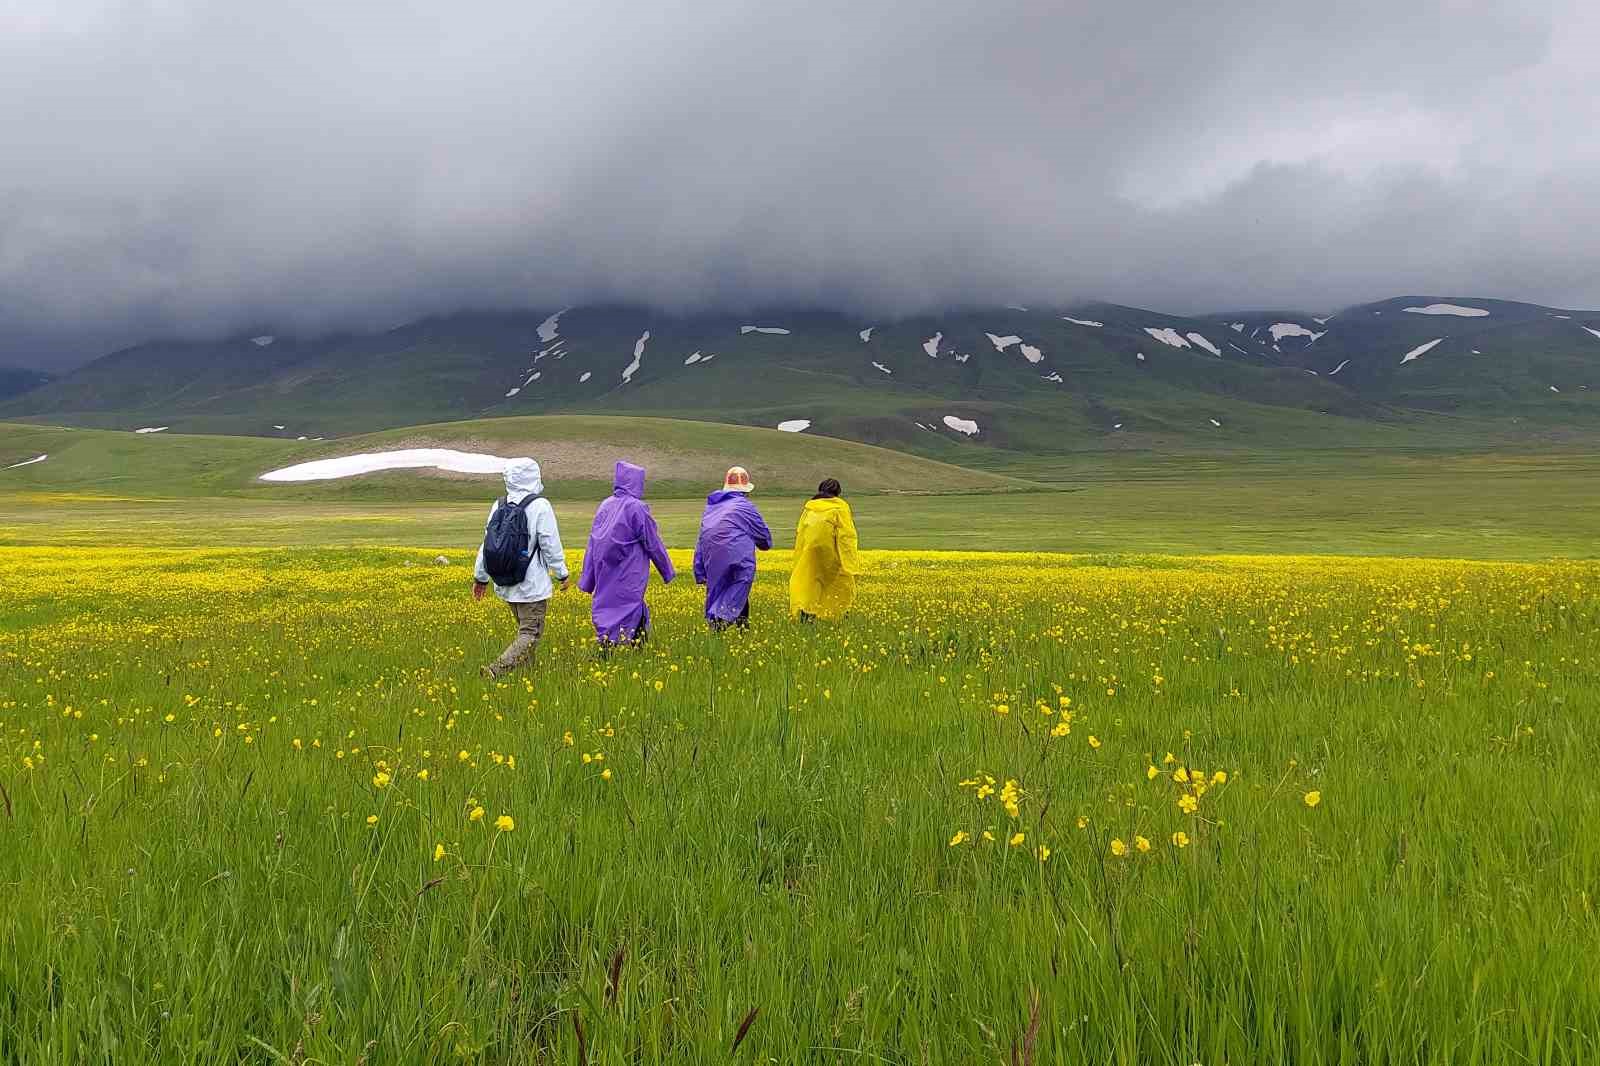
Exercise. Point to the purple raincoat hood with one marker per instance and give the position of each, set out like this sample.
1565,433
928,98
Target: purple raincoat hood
629,480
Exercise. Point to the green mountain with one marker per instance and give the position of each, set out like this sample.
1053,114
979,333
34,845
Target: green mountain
14,381
967,386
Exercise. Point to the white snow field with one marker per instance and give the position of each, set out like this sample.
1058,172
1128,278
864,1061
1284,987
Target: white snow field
881,367
694,357
585,376
1214,422
1237,327
1031,354
1167,335
1082,321
1596,332
1448,309
404,459
866,334
638,357
1054,375
1338,368
263,340
152,429
961,425
1002,343
764,329
1207,345
1420,350
29,462
795,425
931,345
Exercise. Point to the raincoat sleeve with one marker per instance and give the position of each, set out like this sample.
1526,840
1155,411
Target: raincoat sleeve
650,536
479,574
699,565
845,539
549,535
591,559
758,529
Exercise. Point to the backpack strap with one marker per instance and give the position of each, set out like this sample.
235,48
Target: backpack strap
526,500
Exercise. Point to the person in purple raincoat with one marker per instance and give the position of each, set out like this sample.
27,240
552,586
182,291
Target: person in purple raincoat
623,542
725,556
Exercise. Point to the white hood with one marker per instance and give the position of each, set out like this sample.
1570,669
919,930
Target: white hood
523,479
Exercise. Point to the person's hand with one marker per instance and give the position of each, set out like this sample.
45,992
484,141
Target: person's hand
477,589
564,583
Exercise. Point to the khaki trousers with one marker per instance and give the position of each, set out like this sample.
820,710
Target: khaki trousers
530,627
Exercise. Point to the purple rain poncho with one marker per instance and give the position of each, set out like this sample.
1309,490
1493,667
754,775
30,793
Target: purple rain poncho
623,542
725,555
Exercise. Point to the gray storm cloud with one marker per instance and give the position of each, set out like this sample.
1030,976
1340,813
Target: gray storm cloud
200,166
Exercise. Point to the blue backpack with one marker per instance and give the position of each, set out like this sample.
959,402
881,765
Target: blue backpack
508,545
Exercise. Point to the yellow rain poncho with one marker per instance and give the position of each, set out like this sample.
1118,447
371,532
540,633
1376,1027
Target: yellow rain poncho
826,560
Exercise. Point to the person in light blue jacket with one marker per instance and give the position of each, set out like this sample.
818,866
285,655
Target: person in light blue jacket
530,600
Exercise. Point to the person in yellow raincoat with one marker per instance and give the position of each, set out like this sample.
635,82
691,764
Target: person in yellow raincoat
826,559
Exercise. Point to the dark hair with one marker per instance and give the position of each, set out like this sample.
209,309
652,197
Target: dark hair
828,489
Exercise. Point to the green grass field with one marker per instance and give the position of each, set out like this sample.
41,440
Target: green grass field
254,806
243,738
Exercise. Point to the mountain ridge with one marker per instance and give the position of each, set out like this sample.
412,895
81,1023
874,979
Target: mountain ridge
1036,380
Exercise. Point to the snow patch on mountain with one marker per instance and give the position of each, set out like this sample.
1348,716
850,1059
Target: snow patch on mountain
638,357
550,328
866,334
780,331
1031,354
881,367
694,357
263,340
1448,309
1281,330
1338,368
1586,329
795,425
1237,327
1167,335
931,345
1207,345
1420,350
1002,343
585,376
1054,375
29,462
152,429
1082,321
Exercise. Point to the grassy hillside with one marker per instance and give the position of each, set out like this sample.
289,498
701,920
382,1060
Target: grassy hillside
577,453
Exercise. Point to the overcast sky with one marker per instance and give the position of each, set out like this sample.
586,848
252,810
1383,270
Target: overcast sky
203,166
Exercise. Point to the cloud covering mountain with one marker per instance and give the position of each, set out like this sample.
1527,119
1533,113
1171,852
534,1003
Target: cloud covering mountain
195,166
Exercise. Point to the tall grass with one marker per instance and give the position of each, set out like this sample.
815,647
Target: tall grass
768,873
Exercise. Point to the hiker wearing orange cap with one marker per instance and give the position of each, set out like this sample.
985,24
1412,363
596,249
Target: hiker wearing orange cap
725,555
